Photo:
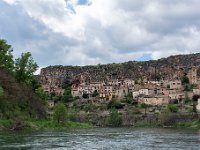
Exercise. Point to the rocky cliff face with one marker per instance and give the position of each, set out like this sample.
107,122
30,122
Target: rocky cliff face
53,77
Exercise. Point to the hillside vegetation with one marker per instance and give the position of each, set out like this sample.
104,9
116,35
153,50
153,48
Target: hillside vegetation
19,96
17,100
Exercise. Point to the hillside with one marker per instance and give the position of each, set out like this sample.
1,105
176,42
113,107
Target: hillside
165,68
17,101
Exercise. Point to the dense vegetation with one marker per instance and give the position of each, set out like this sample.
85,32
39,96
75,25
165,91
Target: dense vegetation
23,102
18,99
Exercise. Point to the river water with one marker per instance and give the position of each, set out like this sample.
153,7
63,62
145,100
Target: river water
102,139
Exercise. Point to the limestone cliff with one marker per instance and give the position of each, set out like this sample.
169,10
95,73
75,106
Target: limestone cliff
53,77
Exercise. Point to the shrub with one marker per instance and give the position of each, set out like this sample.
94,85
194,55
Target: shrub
143,105
114,119
173,108
85,95
95,93
115,104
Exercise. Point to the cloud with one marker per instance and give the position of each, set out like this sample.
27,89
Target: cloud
80,32
11,2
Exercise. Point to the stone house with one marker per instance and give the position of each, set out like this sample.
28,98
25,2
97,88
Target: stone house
196,91
144,91
155,100
135,94
178,96
129,82
176,84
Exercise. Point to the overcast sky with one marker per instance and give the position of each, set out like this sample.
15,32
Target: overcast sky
83,32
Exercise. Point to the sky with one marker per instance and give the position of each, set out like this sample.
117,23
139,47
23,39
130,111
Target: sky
89,32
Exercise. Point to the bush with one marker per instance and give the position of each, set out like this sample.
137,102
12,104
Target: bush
95,93
143,105
72,115
115,104
114,119
85,95
173,108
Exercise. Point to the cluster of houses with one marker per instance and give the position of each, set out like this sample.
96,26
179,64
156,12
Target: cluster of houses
149,92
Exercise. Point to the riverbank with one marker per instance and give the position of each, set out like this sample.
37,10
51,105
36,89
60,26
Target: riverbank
40,125
46,124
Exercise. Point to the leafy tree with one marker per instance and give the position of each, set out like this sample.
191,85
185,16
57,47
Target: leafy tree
185,80
67,95
60,113
24,68
195,99
157,76
41,94
6,57
114,119
85,95
1,91
95,93
128,98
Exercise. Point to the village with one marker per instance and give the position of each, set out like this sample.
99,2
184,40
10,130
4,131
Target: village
149,92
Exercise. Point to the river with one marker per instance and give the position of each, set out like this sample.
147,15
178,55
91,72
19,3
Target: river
102,139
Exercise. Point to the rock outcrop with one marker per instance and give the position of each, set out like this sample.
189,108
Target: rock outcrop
53,77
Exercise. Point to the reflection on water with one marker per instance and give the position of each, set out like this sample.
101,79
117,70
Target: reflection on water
102,139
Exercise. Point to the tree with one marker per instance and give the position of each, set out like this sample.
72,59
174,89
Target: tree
95,93
6,57
1,91
185,80
114,119
85,95
25,68
195,99
41,94
67,95
60,113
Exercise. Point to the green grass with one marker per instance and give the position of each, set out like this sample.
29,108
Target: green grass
45,124
195,124
5,123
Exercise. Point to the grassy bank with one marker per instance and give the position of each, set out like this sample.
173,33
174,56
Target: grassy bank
194,124
42,124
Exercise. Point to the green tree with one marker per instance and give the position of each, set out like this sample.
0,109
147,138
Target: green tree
60,113
67,95
25,68
6,57
1,90
185,80
114,119
195,99
95,93
41,94
85,95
